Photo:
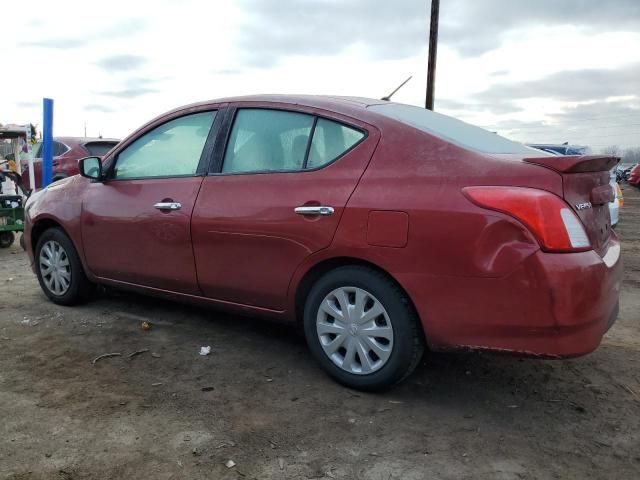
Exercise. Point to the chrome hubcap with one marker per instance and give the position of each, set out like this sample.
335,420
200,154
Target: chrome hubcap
55,268
354,330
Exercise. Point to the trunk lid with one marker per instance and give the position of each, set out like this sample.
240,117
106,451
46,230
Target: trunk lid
586,188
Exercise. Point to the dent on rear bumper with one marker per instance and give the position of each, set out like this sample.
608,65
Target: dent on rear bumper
553,305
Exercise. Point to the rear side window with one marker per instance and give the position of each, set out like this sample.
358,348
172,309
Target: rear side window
265,140
99,149
171,149
330,140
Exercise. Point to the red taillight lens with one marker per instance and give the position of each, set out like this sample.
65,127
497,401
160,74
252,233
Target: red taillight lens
546,215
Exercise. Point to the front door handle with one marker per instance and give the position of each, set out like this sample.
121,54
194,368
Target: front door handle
168,206
313,210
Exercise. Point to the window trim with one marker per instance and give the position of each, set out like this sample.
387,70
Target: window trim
312,133
230,120
204,156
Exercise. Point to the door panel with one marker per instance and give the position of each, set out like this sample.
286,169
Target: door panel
126,238
248,240
136,226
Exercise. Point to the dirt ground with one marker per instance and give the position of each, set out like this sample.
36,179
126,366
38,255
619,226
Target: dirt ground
260,401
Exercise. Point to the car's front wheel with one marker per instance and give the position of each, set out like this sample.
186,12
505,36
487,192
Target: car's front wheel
59,270
361,328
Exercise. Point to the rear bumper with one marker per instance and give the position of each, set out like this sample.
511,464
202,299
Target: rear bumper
553,305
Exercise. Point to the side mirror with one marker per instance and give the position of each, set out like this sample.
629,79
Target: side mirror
90,167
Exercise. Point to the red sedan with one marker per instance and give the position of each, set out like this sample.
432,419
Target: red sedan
381,228
634,176
66,153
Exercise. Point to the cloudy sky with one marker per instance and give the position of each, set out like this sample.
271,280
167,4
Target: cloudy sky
537,71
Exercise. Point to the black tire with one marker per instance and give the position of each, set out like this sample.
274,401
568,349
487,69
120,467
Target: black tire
7,239
80,289
408,338
22,244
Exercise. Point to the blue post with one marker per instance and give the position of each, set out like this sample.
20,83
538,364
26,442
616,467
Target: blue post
47,141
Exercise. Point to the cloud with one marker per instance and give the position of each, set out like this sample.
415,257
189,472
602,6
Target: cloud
605,114
59,43
473,27
276,28
399,29
133,87
596,124
227,71
123,28
28,104
569,86
132,92
456,107
98,108
121,62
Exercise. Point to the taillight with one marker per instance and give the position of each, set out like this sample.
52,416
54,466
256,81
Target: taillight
556,227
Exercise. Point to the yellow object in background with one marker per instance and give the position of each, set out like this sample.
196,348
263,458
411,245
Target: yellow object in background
12,166
620,196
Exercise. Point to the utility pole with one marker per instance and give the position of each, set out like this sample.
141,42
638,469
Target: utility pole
433,53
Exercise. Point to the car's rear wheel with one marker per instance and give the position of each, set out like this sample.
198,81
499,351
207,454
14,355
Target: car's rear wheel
59,270
362,329
6,239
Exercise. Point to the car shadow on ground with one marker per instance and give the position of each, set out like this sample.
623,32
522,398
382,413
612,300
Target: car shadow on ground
449,380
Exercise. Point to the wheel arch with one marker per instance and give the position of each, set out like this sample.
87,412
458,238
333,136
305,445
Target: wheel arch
41,226
320,268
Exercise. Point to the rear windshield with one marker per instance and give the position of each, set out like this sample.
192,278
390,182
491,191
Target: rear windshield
453,130
99,149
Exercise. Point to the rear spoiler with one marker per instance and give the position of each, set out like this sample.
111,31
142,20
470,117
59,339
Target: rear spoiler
576,163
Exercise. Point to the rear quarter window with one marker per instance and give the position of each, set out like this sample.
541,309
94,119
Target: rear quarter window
59,148
330,141
99,149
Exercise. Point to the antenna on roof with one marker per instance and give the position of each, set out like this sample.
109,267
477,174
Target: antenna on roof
388,97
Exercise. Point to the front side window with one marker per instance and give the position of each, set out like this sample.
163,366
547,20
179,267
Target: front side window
172,149
267,140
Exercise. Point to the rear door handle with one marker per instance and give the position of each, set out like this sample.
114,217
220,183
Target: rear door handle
313,210
168,206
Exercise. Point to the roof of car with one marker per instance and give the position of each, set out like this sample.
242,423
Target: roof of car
310,100
336,103
83,140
